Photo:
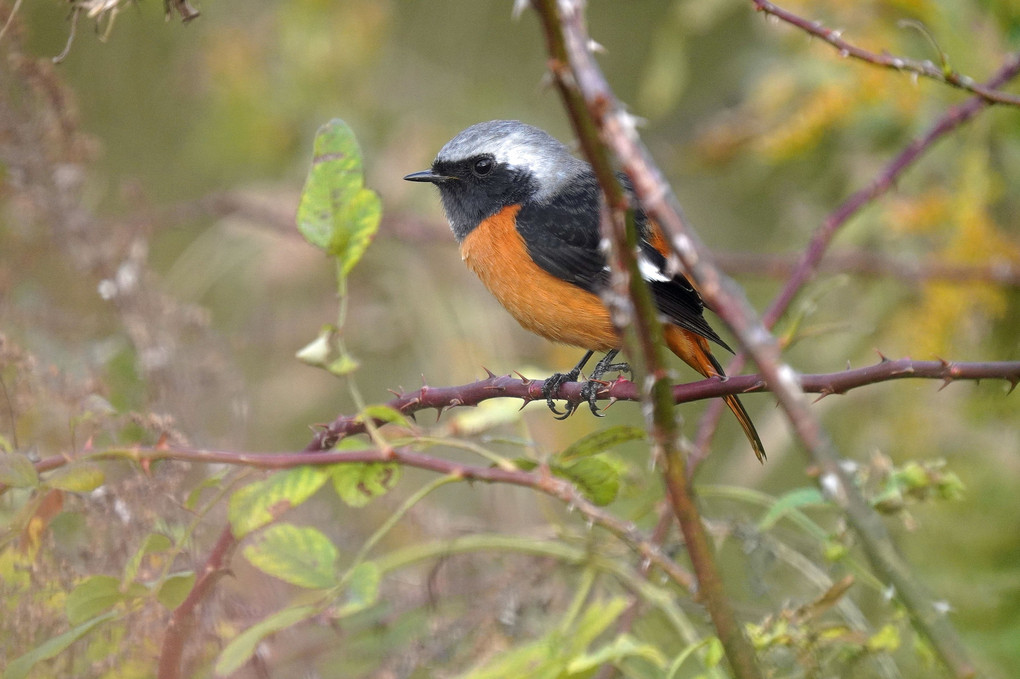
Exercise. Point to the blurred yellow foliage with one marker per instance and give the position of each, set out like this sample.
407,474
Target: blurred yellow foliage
946,308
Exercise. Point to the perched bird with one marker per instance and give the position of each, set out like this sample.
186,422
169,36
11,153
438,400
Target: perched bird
525,212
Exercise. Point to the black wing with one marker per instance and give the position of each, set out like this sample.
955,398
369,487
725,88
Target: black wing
563,238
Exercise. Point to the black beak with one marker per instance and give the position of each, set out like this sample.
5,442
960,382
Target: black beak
427,176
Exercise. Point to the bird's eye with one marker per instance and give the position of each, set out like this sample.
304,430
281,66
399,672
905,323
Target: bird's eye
483,166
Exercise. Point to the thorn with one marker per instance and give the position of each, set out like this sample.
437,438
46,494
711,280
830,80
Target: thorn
524,380
488,372
945,382
1012,385
882,357
848,364
944,362
822,394
88,444
413,417
398,394
161,444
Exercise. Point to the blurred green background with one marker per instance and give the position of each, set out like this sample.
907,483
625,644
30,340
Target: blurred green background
185,147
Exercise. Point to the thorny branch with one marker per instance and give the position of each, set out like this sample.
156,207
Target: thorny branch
528,390
808,263
618,132
942,72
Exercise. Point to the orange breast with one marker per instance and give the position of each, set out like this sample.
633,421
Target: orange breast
540,302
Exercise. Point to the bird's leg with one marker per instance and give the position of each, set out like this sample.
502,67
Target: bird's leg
590,390
557,380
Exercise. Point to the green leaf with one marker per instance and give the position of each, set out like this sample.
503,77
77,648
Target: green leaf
358,482
362,589
302,556
241,648
620,648
713,652
94,595
684,655
258,503
385,413
17,471
595,443
214,481
175,589
77,477
596,478
154,542
790,502
550,656
337,213
20,667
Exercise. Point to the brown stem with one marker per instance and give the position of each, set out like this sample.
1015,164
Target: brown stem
942,73
807,264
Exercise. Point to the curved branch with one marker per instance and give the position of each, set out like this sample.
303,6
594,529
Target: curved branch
944,74
617,129
857,262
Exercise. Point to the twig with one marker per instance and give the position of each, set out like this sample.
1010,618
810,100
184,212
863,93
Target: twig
807,265
507,386
944,73
569,60
183,618
617,130
536,480
864,263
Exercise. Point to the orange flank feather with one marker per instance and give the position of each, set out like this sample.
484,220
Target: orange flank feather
542,303
563,312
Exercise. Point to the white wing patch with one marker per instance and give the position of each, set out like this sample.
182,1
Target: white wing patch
649,271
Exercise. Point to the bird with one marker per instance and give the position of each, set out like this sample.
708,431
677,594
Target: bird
526,212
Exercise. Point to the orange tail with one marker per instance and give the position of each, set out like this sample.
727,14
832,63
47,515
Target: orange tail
695,352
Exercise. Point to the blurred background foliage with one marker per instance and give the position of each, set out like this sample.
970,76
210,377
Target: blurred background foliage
151,280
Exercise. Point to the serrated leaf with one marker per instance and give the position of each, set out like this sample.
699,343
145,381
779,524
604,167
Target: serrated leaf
300,555
362,588
92,596
358,482
175,589
22,665
337,213
241,648
258,503
600,441
17,471
76,477
597,479
154,542
792,501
